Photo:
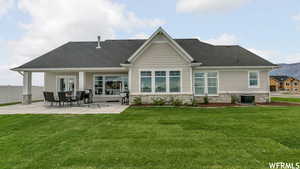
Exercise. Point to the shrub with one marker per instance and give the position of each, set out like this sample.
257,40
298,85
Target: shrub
176,102
206,101
158,101
194,102
234,99
137,101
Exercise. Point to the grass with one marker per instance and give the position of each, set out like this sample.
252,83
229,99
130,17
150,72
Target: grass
282,99
153,138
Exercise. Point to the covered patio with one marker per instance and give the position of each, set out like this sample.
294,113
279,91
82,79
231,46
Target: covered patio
42,108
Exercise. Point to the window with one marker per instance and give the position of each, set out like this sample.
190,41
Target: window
146,81
206,83
296,84
113,85
98,85
110,85
287,84
199,83
212,83
160,82
66,83
174,81
253,79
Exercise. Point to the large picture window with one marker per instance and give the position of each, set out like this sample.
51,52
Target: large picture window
174,77
146,81
206,83
160,81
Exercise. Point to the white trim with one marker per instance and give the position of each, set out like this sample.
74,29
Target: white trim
73,69
258,79
146,44
103,88
167,70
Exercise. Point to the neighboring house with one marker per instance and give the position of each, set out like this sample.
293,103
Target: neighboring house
156,67
284,83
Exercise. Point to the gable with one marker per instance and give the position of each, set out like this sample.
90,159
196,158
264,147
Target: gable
160,36
160,54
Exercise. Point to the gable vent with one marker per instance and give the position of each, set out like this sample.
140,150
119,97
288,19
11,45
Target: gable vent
99,46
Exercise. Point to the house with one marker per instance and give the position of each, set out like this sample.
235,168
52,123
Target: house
284,83
149,68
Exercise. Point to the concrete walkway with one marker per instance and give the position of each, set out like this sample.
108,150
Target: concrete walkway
41,108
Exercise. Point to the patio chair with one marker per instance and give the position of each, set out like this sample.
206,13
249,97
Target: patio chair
88,96
49,97
63,98
79,97
125,97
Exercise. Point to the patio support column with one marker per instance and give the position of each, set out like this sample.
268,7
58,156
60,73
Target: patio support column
81,81
27,85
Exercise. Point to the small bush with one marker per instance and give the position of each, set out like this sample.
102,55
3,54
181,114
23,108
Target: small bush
206,101
137,101
176,102
194,102
234,99
158,101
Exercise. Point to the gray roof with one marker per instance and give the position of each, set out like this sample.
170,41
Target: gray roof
115,52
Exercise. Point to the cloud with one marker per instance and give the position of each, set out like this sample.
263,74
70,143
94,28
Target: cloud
206,6
140,36
223,39
5,5
270,55
277,56
296,17
56,22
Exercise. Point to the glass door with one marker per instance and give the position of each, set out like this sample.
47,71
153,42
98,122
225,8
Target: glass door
66,84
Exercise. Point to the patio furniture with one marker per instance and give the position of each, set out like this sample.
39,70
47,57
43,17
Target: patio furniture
125,97
88,96
49,97
64,99
79,97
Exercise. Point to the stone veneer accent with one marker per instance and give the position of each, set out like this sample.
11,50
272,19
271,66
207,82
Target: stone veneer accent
147,99
187,99
226,97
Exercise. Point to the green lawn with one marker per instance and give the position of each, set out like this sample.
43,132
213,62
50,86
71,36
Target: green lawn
282,99
152,138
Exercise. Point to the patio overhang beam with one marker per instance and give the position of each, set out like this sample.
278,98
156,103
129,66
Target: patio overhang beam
70,69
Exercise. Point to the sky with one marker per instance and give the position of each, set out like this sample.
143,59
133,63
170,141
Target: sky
30,28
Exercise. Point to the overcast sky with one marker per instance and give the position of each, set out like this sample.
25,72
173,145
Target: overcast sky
29,28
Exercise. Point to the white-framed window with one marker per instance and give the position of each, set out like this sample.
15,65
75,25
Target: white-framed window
206,83
160,81
146,81
110,85
253,79
66,83
175,81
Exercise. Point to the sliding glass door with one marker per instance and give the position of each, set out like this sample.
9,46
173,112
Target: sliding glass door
66,83
110,85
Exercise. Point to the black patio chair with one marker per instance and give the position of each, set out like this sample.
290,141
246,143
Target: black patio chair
49,97
79,97
88,96
125,97
63,98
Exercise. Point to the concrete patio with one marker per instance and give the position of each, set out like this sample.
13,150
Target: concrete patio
42,108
